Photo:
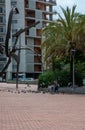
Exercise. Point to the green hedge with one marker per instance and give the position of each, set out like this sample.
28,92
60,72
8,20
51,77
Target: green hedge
46,79
62,76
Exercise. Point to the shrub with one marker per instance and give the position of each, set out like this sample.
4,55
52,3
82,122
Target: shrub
63,77
78,78
46,79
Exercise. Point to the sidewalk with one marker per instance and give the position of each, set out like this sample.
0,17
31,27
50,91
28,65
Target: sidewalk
38,111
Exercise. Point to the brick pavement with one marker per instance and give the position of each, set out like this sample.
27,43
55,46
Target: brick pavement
38,111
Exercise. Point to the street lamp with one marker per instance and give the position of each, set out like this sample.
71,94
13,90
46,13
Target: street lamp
72,69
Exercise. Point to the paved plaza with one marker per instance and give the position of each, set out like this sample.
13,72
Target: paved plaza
25,110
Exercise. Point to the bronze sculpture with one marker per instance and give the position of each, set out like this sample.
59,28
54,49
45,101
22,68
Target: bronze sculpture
11,53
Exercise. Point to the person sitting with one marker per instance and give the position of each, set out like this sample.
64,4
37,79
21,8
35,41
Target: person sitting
56,85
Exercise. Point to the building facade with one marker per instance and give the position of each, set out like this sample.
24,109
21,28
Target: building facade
30,11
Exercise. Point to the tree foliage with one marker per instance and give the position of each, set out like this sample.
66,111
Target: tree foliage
63,35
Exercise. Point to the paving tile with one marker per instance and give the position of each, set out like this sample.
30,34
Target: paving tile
31,111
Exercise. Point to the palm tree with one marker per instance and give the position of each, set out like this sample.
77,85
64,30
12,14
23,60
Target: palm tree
52,37
65,36
73,30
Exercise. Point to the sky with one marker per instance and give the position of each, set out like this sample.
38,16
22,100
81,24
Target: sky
80,5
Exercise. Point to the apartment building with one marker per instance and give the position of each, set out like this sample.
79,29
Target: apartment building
30,11
2,32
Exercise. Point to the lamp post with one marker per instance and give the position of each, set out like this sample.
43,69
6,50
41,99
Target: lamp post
72,71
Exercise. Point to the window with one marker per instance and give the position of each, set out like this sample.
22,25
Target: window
1,39
3,59
14,21
13,40
14,3
14,66
14,30
1,19
1,66
1,29
1,10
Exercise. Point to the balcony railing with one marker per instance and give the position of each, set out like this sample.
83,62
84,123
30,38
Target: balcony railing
51,1
47,1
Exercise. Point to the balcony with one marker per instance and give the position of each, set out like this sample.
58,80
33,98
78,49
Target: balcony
37,67
31,36
49,12
46,20
47,2
37,42
30,13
